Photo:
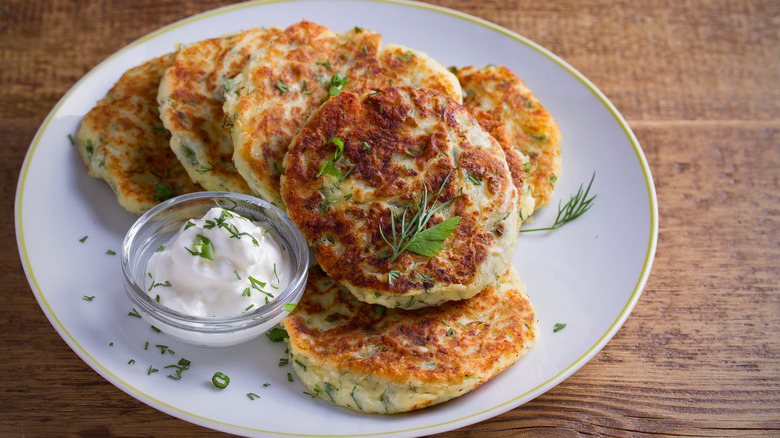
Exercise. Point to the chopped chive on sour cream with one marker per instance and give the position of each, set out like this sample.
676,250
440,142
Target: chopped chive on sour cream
222,264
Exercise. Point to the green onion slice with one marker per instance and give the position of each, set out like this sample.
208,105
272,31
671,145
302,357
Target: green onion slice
220,380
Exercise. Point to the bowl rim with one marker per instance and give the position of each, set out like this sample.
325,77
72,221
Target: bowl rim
298,253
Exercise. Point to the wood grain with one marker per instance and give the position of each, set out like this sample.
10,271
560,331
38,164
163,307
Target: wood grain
697,81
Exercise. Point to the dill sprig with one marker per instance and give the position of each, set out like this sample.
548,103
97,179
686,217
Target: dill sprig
413,235
578,204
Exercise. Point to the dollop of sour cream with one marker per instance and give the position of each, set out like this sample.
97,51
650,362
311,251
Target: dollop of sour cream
222,264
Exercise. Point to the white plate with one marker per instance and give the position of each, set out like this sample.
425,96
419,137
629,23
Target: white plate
588,274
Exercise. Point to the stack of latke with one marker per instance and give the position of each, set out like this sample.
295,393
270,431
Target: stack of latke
409,181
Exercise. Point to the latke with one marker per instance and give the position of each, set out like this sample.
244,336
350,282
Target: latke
376,360
532,130
191,100
362,166
123,141
287,79
515,160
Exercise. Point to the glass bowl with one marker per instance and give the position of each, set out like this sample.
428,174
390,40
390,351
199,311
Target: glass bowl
158,225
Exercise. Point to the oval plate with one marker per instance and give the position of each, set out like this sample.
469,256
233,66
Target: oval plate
588,274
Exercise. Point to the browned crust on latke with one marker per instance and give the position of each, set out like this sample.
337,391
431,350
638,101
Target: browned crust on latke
446,345
531,128
123,141
346,234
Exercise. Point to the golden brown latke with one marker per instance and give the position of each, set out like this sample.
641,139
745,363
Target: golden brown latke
290,77
531,128
191,99
377,360
401,146
123,141
515,160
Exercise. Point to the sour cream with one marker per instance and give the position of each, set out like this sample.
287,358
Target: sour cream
222,264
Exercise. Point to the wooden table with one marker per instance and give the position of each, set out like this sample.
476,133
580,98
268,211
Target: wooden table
698,82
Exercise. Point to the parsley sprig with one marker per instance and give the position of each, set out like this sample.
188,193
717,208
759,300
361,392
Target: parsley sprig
202,247
578,204
413,235
329,166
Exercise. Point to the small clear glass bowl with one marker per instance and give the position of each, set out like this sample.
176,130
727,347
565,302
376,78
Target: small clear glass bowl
158,225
